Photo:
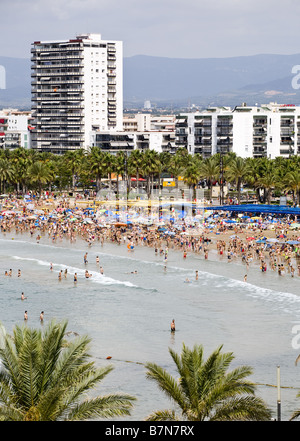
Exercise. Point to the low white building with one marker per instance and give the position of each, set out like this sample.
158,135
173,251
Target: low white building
114,142
249,131
14,128
141,131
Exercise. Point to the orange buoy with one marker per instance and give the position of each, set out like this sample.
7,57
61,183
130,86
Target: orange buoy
108,358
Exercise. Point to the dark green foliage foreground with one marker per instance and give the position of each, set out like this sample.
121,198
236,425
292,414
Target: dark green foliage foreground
206,390
44,376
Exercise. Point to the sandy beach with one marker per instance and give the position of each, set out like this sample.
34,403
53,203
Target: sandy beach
128,309
267,241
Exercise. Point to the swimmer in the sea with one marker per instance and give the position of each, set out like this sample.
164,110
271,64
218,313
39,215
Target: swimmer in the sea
173,326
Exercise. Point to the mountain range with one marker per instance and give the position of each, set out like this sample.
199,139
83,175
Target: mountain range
178,82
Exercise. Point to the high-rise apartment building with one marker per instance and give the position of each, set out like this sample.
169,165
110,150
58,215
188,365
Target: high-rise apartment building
77,88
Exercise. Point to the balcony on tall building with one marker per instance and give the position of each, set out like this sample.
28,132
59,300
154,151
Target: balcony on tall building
287,122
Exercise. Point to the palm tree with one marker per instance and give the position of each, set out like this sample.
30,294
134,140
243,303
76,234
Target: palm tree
40,173
237,171
6,172
191,177
135,164
43,378
176,168
205,390
19,162
296,413
109,165
267,179
210,170
254,174
74,160
150,166
292,182
95,163
119,168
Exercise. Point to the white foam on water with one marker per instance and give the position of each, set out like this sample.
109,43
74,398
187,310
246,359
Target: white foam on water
96,277
286,299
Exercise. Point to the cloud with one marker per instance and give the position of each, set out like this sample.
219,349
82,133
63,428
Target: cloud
172,28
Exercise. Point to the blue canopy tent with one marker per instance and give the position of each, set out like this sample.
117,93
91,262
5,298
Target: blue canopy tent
257,208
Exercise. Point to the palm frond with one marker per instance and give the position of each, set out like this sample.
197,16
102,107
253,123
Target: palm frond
163,415
109,406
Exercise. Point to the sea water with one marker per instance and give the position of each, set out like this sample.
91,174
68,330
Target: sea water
128,315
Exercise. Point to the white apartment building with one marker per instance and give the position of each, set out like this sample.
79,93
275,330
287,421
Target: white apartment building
114,142
77,87
141,131
14,128
146,122
137,123
249,131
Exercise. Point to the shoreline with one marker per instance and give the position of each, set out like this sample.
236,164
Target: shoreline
234,269
221,316
261,243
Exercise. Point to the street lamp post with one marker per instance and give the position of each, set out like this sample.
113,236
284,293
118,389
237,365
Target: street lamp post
278,395
221,177
126,179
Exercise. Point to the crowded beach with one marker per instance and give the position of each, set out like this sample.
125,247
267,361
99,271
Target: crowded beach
267,241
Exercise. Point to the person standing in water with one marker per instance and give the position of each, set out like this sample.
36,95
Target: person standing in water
173,325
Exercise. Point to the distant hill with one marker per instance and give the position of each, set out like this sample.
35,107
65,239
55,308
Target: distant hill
179,82
17,92
221,81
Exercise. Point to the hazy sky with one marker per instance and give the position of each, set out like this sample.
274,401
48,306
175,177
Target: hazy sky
167,28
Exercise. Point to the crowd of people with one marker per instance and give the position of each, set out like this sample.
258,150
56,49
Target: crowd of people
268,243
265,243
